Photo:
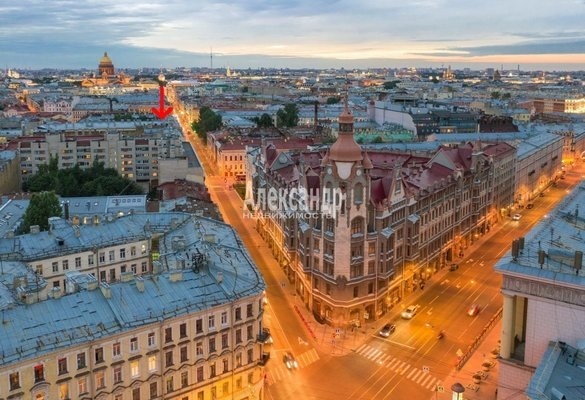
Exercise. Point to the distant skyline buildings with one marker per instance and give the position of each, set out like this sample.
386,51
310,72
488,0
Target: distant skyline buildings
295,34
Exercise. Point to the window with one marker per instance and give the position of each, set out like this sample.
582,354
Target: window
112,255
238,314
133,344
99,379
151,363
199,349
144,267
133,268
224,341
355,291
134,370
90,259
250,354
82,385
116,352
118,396
39,373
211,322
170,384
153,390
183,331
14,380
249,332
199,374
102,257
55,266
133,251
99,355
80,360
64,391
151,342
212,370
239,383
184,379
199,326
224,318
226,367
168,358
211,345
65,265
225,387
122,253
168,335
238,360
136,394
62,366
238,336
77,262
183,352
249,311
117,374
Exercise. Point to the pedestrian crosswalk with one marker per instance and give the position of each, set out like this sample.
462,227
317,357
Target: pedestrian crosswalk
417,375
278,370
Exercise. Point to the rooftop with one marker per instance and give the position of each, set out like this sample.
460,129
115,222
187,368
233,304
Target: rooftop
209,269
553,249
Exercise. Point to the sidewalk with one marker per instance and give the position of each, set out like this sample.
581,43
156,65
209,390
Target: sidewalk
484,390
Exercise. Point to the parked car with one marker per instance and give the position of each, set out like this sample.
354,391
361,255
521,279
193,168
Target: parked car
529,206
387,330
516,217
410,311
290,361
473,310
454,267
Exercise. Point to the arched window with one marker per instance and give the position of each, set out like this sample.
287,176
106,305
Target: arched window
358,193
357,226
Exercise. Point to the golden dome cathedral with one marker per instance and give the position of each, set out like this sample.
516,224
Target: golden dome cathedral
106,67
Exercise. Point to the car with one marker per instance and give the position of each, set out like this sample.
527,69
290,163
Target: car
409,312
529,206
387,330
454,267
516,217
290,361
473,310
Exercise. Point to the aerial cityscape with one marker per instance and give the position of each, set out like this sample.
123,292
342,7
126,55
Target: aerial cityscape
357,201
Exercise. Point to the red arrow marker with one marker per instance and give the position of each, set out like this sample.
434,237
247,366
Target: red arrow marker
161,113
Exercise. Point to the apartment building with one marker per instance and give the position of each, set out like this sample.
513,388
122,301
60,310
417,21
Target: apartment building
543,290
189,329
398,218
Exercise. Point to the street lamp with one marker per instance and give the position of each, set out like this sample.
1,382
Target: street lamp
458,390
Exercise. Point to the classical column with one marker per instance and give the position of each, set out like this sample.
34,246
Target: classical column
508,317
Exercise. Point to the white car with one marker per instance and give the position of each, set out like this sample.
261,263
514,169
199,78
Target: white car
410,311
516,217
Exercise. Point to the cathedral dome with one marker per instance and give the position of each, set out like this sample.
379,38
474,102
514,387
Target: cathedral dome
106,66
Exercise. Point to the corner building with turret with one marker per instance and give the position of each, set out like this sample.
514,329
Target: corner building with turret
398,218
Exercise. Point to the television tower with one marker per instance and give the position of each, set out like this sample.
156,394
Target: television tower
211,58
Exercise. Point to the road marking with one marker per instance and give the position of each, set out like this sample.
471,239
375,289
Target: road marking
412,371
406,368
392,365
359,349
374,355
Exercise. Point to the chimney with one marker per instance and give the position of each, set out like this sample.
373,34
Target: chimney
219,278
106,290
176,276
66,210
34,229
140,284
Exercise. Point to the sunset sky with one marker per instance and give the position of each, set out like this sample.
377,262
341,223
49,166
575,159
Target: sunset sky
293,33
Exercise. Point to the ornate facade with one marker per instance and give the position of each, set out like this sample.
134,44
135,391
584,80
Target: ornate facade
400,218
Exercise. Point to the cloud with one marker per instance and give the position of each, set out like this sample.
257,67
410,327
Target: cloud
66,32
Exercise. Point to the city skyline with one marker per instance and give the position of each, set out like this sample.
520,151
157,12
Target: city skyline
294,34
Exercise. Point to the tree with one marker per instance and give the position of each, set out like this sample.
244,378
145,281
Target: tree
333,100
288,116
208,121
264,121
495,95
390,85
42,206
